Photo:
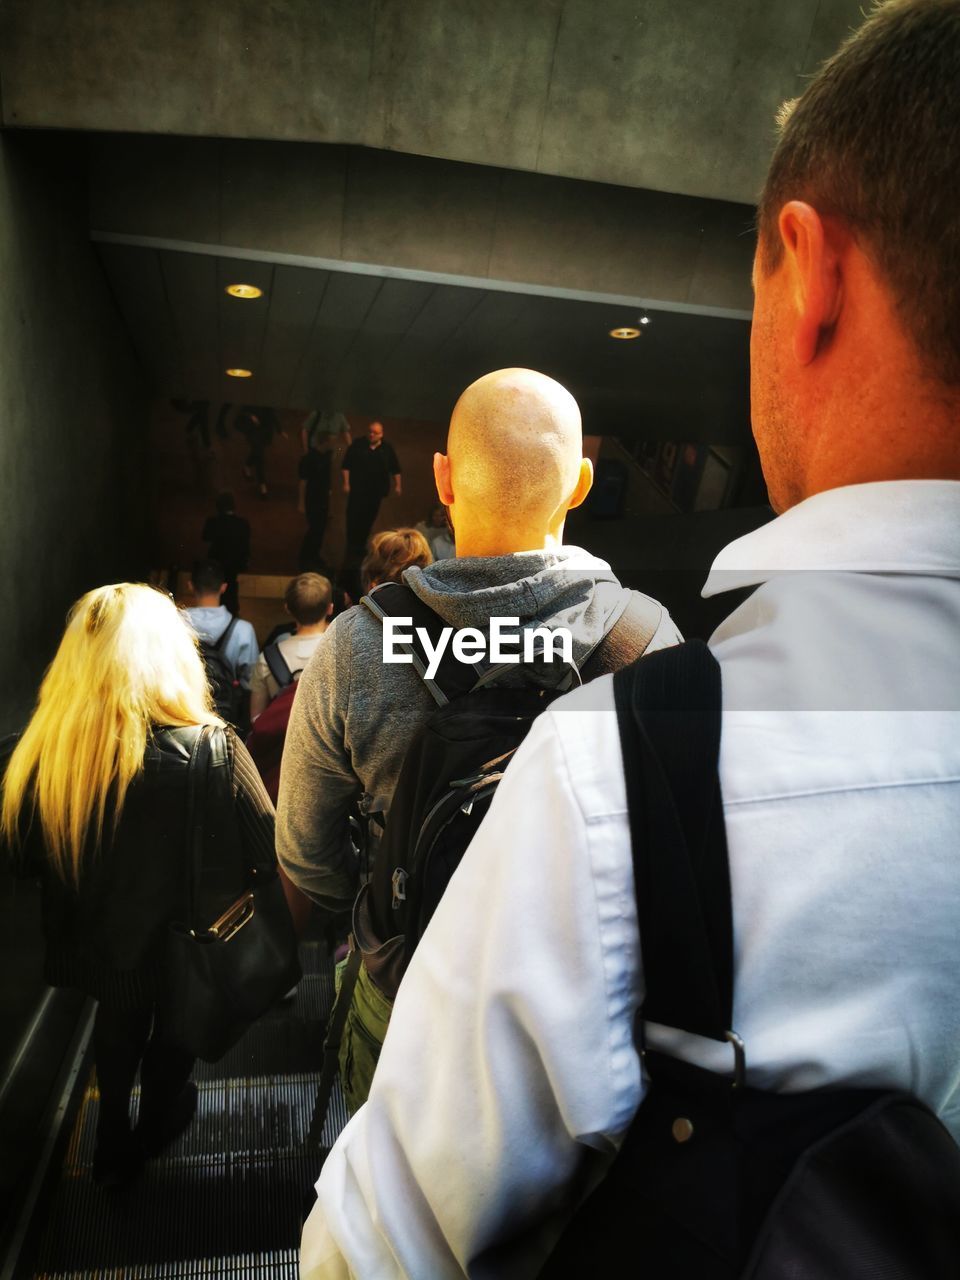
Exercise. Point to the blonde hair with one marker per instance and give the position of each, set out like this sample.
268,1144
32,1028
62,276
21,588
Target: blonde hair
392,551
128,660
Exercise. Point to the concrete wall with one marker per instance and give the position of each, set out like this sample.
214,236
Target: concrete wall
642,93
71,417
354,205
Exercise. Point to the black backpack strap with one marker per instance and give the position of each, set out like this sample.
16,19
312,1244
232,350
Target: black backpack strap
635,623
669,714
279,667
397,600
221,644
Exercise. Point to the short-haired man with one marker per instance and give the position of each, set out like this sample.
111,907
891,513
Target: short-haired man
308,599
369,468
321,433
512,471
510,1056
228,539
210,619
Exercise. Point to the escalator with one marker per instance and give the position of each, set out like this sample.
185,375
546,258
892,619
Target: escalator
227,1199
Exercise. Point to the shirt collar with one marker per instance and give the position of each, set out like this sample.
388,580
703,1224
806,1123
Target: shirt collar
891,526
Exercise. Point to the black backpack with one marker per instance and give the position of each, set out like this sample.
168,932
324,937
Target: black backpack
717,1179
224,686
449,775
455,761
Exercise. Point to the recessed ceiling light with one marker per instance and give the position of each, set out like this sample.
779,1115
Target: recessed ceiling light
644,318
624,331
244,291
239,373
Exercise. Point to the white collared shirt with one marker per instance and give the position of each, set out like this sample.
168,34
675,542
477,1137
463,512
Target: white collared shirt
510,1053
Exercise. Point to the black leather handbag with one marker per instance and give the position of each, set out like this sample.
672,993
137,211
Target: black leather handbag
223,976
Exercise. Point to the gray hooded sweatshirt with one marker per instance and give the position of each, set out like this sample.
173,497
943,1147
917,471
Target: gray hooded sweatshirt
354,715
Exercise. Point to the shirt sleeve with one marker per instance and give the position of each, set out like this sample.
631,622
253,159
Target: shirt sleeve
393,462
508,1075
255,816
317,781
247,650
263,687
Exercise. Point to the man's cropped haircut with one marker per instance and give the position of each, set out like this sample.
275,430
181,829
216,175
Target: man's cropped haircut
207,577
307,598
875,141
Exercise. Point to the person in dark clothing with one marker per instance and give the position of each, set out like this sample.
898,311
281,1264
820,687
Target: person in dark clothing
198,423
258,423
321,434
368,466
228,536
97,808
221,427
313,472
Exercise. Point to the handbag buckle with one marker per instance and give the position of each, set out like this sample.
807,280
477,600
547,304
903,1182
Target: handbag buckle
233,919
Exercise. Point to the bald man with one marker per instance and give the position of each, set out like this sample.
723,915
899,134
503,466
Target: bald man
513,469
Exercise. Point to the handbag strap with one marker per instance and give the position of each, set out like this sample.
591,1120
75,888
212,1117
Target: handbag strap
212,838
669,713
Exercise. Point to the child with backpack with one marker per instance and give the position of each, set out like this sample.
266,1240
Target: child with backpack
308,600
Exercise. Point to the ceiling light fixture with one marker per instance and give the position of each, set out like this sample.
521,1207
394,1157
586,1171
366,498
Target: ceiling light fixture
244,291
624,331
239,373
643,318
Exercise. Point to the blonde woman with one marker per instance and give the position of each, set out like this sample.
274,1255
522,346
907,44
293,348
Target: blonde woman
95,801
390,553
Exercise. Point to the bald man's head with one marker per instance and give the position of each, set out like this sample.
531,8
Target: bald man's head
515,449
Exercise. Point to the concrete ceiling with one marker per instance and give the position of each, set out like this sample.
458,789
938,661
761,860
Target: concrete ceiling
665,95
404,347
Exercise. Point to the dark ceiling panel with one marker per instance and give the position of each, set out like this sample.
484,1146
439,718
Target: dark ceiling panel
191,283
294,303
385,346
137,284
397,306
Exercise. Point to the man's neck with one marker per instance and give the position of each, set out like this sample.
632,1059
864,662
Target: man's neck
483,542
208,602
315,629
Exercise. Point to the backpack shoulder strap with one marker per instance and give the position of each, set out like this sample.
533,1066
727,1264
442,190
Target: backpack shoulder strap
397,600
279,667
225,635
669,714
635,624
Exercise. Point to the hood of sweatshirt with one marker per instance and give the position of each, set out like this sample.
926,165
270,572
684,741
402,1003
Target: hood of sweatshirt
566,587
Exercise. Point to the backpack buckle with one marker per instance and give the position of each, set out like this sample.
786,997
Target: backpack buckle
739,1058
398,882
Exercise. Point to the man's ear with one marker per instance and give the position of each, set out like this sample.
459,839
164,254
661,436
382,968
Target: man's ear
223,587
441,474
584,483
815,277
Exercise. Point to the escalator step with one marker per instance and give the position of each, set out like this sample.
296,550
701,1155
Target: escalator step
238,1182
281,1265
228,1198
